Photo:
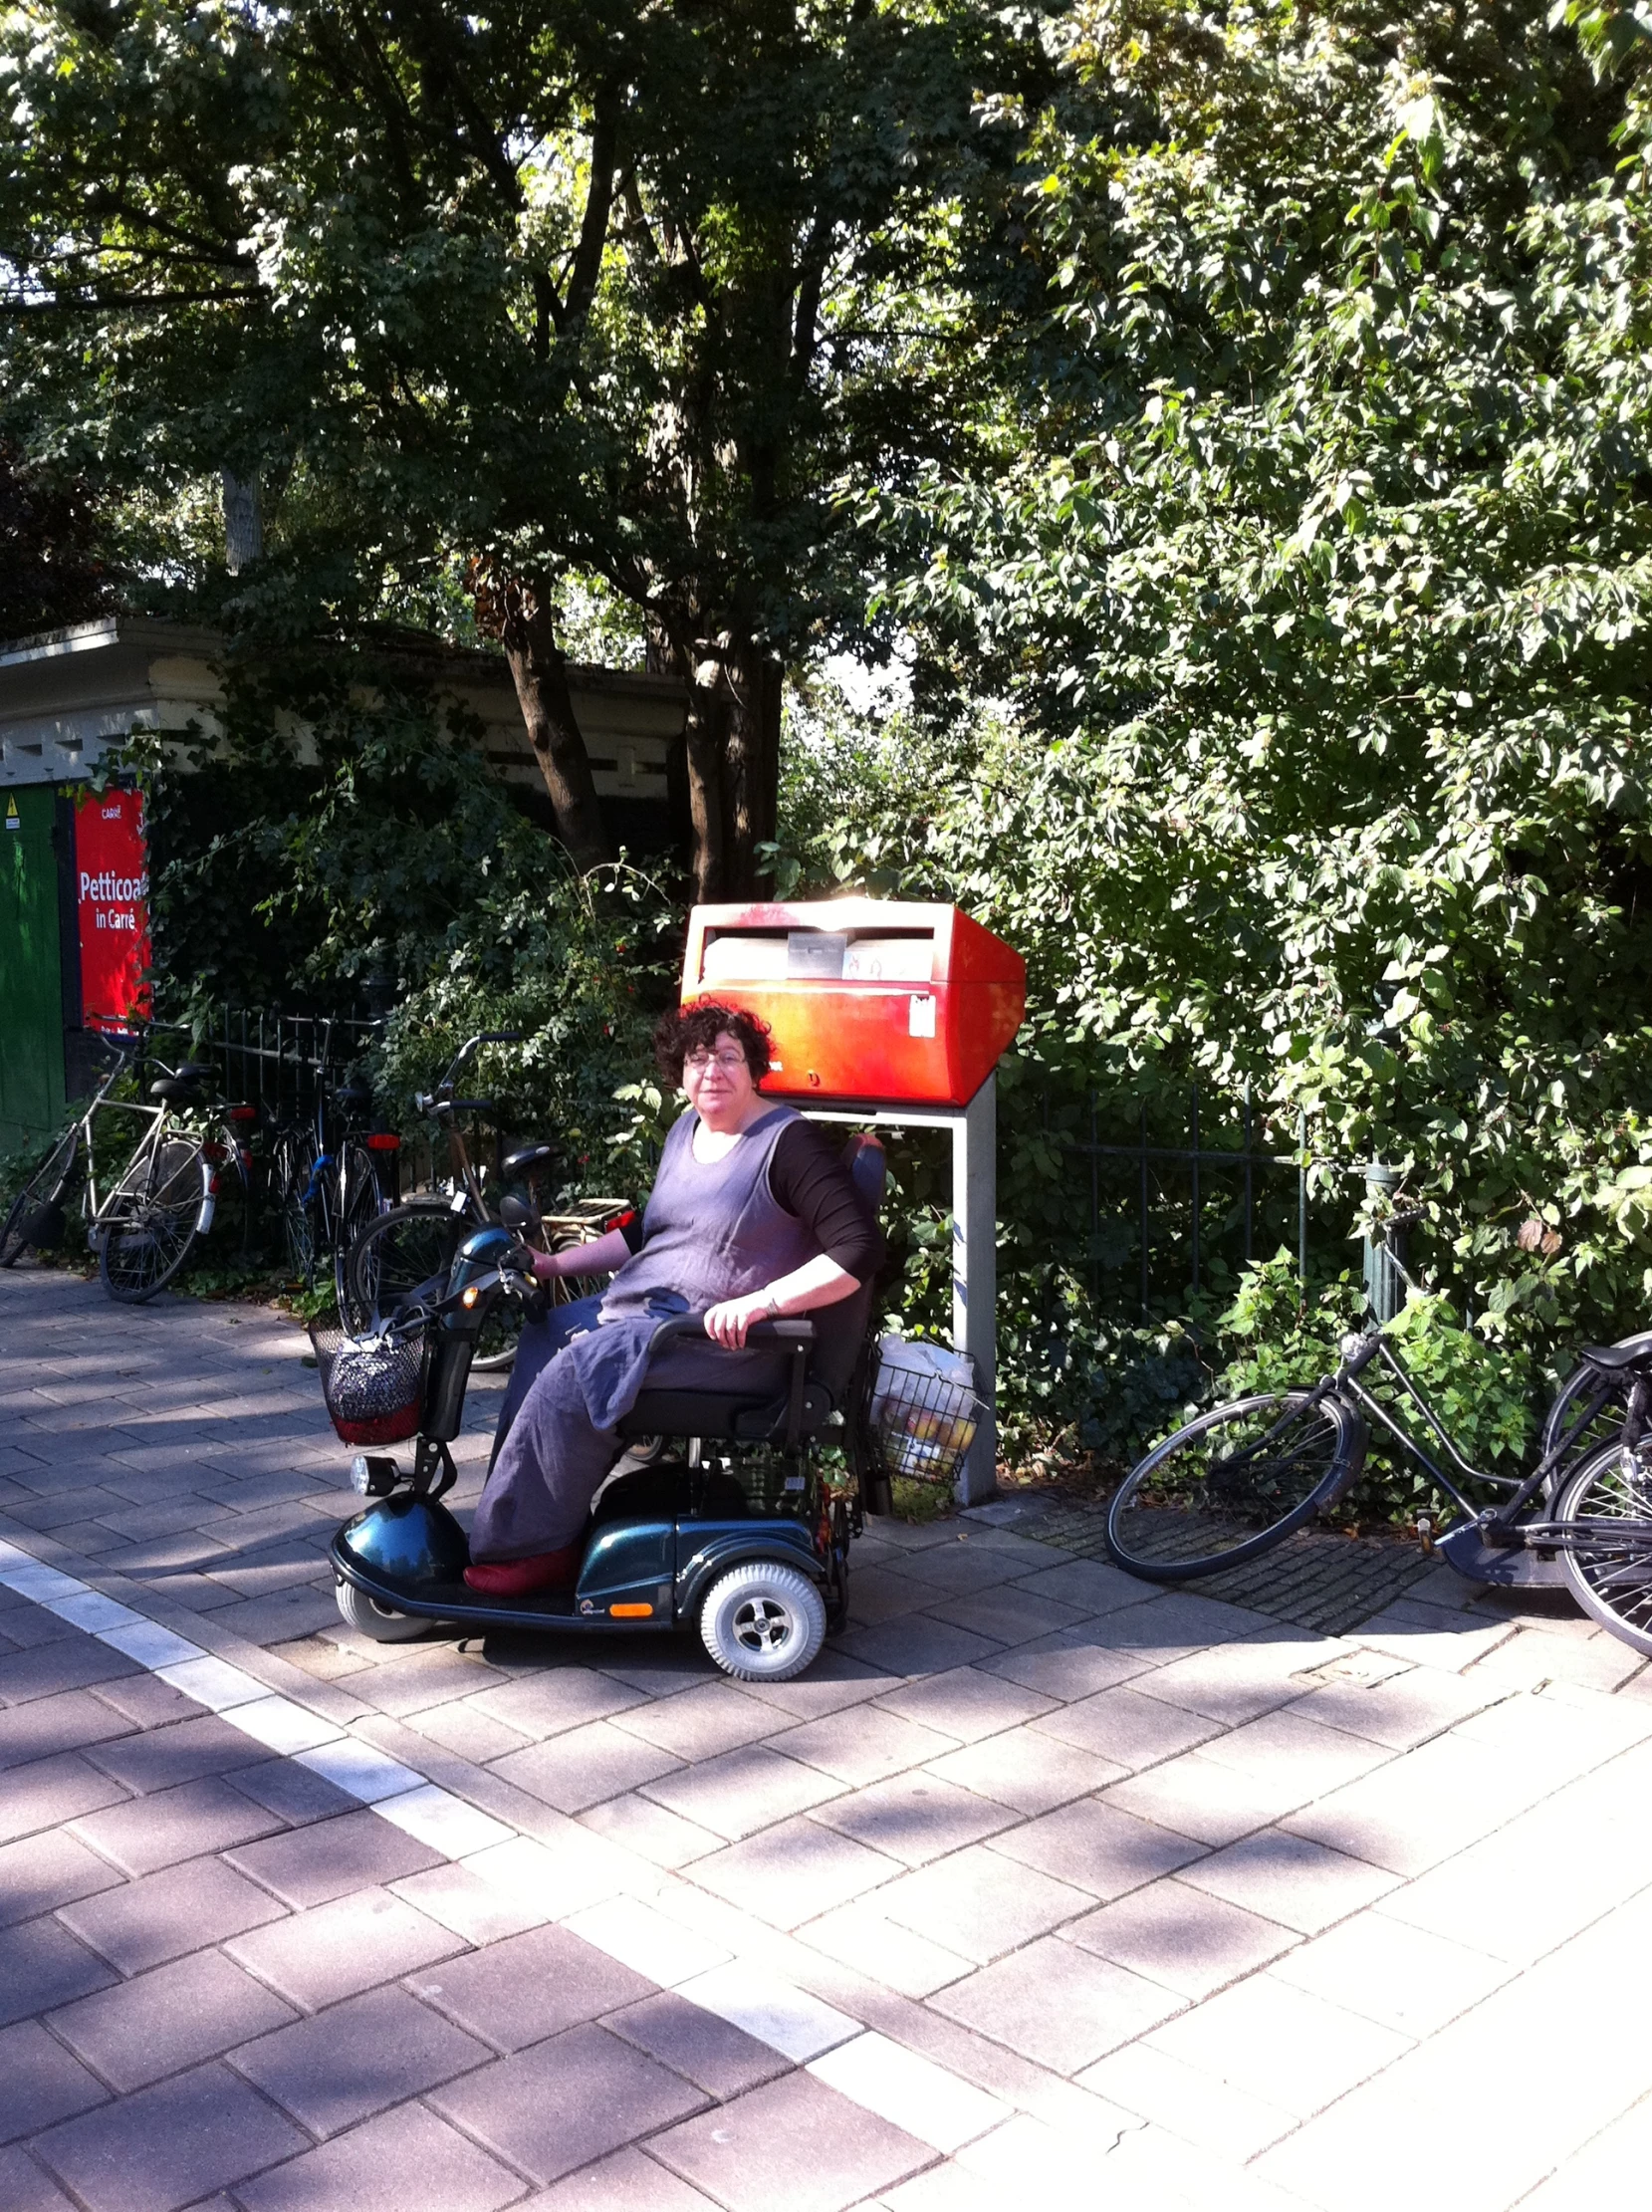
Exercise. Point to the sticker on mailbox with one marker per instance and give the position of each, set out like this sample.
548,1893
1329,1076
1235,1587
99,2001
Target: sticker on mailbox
920,1015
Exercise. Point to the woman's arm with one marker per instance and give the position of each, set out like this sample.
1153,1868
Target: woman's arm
602,1257
818,1282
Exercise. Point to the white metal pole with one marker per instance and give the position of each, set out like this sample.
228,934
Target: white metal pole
975,1274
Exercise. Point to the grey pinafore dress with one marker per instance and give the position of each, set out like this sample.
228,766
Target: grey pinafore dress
712,1230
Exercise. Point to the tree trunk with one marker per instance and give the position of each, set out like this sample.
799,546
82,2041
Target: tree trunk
243,521
753,771
705,730
520,616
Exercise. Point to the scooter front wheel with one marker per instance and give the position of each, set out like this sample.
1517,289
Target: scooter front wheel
381,1622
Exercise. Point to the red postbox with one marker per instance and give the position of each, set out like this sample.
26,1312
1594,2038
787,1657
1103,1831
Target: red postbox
867,998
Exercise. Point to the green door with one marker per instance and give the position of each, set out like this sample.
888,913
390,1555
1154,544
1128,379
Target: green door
31,984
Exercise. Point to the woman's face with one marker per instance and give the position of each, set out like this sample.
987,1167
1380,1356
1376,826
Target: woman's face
719,1084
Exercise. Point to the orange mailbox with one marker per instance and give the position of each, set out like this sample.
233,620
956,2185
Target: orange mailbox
867,998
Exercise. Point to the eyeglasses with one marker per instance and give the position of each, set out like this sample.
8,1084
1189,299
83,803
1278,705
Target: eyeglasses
728,1061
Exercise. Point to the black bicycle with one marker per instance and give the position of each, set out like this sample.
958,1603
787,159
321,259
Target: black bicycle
1244,1477
330,1177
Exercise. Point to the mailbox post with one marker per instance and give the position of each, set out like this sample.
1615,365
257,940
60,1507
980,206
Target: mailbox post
895,1013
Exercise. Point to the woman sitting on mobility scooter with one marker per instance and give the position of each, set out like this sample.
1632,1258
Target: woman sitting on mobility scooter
751,1217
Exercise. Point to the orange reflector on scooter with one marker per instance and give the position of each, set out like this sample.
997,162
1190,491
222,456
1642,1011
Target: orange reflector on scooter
630,1613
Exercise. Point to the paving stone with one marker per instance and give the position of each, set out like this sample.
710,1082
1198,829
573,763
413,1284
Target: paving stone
1006,1614
702,1723
1279,2044
528,1987
48,1725
39,2084
162,1758
1058,2005
196,2008
962,1566
424,1676
25,2188
1424,1807
459,1727
1197,1798
168,2145
281,1785
713,2054
637,1824
914,1817
966,1704
481,1911
29,1627
832,1683
330,1858
980,1904
794,2143
355,2059
1026,1771
1191,2104
50,1791
1126,1728
878,1594
1191,1942
793,1871
584,1765
1239,1682
166,1915
281,1615
41,1965
918,1645
1070,1664
863,1744
1300,1885
1097,1847
408,2157
317,1957
147,1701
742,1792
1399,1976
857,1935
145,1834
45,1870
566,2102
554,1699
1288,1752
1094,1584
629,2181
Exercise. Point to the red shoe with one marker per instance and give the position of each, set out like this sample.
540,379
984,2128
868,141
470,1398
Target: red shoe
518,1578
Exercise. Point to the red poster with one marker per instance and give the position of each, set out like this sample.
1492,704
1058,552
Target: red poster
111,870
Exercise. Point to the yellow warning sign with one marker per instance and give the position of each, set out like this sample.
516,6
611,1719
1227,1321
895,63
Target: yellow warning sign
14,821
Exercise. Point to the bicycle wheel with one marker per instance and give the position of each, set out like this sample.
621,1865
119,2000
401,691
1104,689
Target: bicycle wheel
363,1205
404,1252
298,1227
1606,1510
1234,1483
31,1217
148,1225
1603,1426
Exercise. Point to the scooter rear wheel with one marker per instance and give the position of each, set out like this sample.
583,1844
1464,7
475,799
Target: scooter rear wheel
381,1622
763,1623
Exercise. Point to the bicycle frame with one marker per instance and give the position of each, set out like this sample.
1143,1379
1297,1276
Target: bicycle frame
1504,1522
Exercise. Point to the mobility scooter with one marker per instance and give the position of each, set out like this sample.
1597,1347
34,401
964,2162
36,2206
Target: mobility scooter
720,1515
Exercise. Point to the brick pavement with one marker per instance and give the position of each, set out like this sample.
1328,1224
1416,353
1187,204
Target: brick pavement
1040,1876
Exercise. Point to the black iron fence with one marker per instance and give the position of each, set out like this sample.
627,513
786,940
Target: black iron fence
1168,1218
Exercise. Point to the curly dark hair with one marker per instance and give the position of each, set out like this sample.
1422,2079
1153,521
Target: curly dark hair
686,1029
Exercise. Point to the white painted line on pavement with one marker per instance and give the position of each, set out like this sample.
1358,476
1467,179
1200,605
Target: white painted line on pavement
93,1611
42,1584
446,1823
910,2091
213,1684
149,1644
281,1724
359,1771
787,2019
645,1940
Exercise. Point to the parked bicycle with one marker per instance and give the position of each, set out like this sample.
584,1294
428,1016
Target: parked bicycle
147,1219
330,1176
406,1253
1244,1477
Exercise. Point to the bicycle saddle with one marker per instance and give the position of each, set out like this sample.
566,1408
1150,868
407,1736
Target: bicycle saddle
527,1157
1614,1357
355,1094
173,1088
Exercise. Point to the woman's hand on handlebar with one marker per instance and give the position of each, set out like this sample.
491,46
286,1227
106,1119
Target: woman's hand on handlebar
728,1322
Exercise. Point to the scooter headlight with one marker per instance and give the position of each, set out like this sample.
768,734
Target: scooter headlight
372,1476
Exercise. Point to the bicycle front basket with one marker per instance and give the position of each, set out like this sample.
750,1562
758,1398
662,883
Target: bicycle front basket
923,1415
374,1384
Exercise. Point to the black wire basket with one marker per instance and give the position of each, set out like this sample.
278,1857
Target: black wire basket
374,1384
921,1424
